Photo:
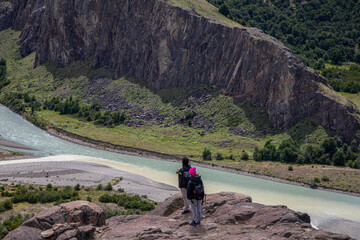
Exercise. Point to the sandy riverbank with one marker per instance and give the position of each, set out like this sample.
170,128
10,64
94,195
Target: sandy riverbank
68,170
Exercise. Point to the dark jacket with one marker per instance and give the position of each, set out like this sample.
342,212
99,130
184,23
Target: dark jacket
191,186
182,181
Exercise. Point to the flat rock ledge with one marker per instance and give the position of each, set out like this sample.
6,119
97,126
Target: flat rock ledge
229,216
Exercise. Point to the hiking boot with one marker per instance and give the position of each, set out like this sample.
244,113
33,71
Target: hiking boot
185,211
193,223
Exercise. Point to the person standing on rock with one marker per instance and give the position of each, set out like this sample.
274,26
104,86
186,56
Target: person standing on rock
195,194
184,178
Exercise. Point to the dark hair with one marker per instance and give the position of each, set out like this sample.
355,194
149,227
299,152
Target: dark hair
185,161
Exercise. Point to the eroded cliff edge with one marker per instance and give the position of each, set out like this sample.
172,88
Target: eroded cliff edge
168,46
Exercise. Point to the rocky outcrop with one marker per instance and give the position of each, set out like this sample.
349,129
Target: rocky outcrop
6,12
168,46
74,220
228,216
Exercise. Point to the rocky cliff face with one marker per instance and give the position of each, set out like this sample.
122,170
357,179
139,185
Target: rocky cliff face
168,46
228,216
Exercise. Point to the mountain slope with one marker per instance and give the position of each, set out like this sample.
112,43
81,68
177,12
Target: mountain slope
168,46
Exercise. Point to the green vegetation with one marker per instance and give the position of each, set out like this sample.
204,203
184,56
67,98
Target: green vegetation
108,187
344,78
331,152
19,198
20,102
206,155
11,223
322,33
25,194
128,202
6,205
204,8
3,78
224,10
317,31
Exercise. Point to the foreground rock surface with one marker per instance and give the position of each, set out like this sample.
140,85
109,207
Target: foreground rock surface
73,220
167,46
229,216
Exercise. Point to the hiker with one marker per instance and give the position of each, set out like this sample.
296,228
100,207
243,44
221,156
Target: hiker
184,178
195,194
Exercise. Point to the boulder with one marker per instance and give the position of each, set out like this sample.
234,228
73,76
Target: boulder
69,220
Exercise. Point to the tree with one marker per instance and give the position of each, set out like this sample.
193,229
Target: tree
339,158
269,152
288,155
257,155
2,69
224,10
288,151
329,146
206,155
357,58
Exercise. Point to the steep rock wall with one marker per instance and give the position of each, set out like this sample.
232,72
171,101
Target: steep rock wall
168,46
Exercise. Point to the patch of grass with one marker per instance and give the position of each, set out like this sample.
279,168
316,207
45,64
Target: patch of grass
8,40
205,9
354,97
174,140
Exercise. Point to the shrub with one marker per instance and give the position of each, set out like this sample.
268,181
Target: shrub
244,155
206,155
106,198
112,212
100,187
12,223
257,155
34,196
108,187
6,205
219,156
290,168
77,187
224,10
128,202
325,179
316,180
